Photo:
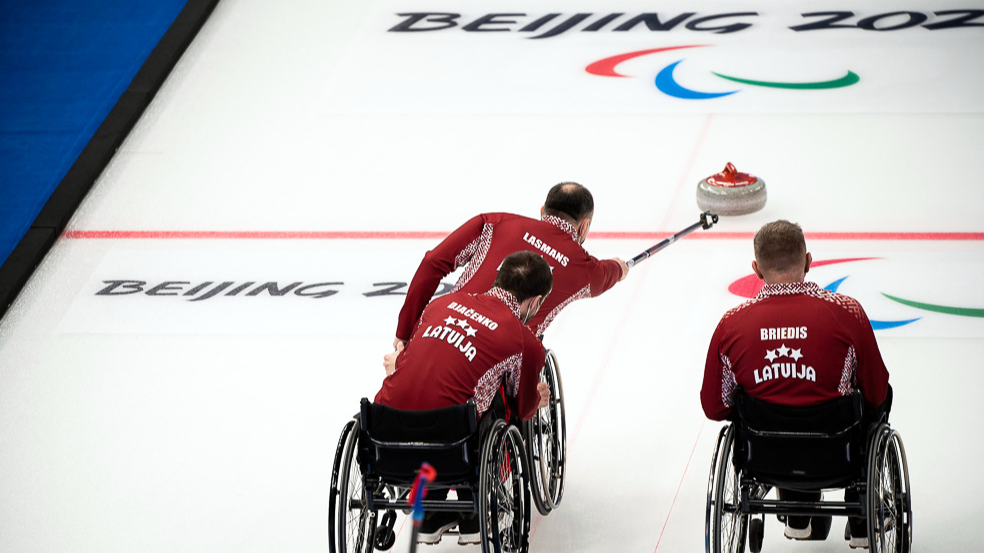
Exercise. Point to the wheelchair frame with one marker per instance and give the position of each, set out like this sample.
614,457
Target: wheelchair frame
501,497
737,504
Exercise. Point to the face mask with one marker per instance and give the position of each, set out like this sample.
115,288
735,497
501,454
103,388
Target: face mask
529,312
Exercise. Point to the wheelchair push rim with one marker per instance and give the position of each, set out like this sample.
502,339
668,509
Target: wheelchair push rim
351,524
546,442
504,495
725,525
889,499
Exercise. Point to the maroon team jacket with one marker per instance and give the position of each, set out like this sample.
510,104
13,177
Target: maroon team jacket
461,349
794,344
481,243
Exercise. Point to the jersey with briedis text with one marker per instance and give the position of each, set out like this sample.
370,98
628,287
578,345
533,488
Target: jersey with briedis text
793,344
484,241
463,347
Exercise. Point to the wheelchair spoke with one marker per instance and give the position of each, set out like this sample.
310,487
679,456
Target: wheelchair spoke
505,495
357,515
353,519
729,525
890,501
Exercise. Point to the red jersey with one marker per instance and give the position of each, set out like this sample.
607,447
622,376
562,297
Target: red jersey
483,242
794,344
463,346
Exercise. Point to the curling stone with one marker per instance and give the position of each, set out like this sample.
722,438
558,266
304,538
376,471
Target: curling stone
731,193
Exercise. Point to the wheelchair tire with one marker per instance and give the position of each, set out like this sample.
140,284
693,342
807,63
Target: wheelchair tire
709,511
545,436
889,499
504,494
385,537
821,528
756,534
351,525
726,527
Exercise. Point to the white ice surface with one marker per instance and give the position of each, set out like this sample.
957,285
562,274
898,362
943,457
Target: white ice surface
152,423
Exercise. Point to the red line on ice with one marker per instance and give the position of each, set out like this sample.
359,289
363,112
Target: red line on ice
436,235
680,485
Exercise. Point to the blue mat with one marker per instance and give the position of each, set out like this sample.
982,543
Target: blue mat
63,66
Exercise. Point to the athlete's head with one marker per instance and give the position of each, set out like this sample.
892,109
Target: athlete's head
573,202
780,253
527,276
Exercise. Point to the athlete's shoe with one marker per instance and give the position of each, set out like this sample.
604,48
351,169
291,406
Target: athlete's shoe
859,542
798,528
857,532
435,525
468,533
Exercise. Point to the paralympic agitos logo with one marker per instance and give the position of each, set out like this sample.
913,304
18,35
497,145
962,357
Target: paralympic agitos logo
667,83
748,287
532,26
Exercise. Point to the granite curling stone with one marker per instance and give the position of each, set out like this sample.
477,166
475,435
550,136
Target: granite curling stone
731,193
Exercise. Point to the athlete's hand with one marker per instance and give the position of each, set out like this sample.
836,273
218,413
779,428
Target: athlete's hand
624,266
544,392
398,344
389,360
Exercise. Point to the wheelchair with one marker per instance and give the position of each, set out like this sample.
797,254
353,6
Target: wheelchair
765,448
545,436
380,451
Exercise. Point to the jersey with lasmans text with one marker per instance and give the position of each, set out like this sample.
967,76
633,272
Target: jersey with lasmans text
480,245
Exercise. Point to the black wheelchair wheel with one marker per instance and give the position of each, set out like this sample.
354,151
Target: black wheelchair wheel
821,528
889,499
726,526
709,511
351,525
504,495
756,534
545,436
385,537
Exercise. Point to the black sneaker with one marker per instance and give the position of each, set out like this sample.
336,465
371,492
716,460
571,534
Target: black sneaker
468,531
435,525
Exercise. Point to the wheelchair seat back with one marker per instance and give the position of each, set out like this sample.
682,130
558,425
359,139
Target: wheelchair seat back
395,442
806,448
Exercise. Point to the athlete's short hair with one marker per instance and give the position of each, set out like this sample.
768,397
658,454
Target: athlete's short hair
571,199
780,246
524,275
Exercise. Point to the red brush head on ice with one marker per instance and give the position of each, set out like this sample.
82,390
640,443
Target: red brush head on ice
731,192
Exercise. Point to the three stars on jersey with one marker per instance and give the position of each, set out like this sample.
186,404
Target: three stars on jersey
454,337
784,370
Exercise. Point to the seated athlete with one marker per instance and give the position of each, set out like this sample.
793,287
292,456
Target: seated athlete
480,244
462,347
795,344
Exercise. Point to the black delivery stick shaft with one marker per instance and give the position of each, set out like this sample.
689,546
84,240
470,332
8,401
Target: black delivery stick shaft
707,220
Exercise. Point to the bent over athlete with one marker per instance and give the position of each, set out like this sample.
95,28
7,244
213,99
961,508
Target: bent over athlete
480,244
